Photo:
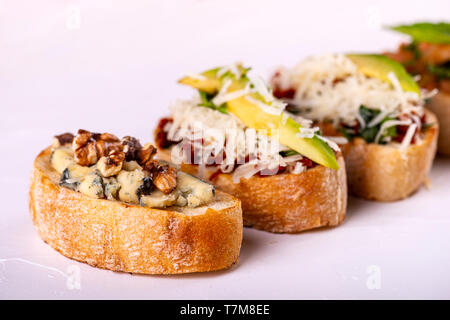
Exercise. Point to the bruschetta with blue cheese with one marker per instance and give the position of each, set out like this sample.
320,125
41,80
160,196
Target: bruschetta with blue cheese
107,202
236,135
376,107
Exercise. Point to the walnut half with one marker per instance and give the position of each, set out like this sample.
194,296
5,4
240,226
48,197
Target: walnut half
62,139
145,157
131,147
84,148
166,179
111,164
89,147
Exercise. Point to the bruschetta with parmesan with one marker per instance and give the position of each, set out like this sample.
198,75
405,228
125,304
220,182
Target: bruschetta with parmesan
236,135
372,102
427,56
107,202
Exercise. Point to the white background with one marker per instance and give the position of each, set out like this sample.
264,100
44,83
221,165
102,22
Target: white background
114,68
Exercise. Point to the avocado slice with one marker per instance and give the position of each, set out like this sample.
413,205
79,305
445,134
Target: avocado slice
379,66
207,82
254,117
426,32
210,81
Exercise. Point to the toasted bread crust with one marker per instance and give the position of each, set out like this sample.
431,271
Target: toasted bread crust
386,173
440,105
122,237
286,203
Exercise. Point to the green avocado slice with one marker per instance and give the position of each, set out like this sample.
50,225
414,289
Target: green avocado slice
254,117
426,32
379,66
207,82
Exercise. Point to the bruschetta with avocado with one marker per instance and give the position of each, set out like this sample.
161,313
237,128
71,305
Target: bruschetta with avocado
372,102
107,202
427,55
236,135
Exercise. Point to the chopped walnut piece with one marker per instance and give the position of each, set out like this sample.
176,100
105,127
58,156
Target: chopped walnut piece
111,164
82,137
105,143
145,156
62,139
84,148
131,147
116,147
163,176
166,179
108,137
101,148
89,147
86,155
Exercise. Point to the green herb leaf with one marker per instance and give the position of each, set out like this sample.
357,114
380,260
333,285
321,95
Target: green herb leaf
391,132
426,126
369,134
348,135
426,32
367,114
414,48
442,71
207,102
288,153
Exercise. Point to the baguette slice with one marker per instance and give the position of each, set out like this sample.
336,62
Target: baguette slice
440,105
121,237
384,172
285,203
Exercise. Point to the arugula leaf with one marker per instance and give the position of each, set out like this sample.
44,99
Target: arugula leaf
207,102
288,153
414,48
426,32
391,132
369,134
349,136
426,126
368,114
442,71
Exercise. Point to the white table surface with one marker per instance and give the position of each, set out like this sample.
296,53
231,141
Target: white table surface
113,68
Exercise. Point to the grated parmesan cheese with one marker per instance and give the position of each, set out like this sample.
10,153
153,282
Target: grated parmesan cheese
261,87
333,145
212,133
232,68
214,128
307,132
408,136
388,124
221,98
380,117
330,87
299,168
265,107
